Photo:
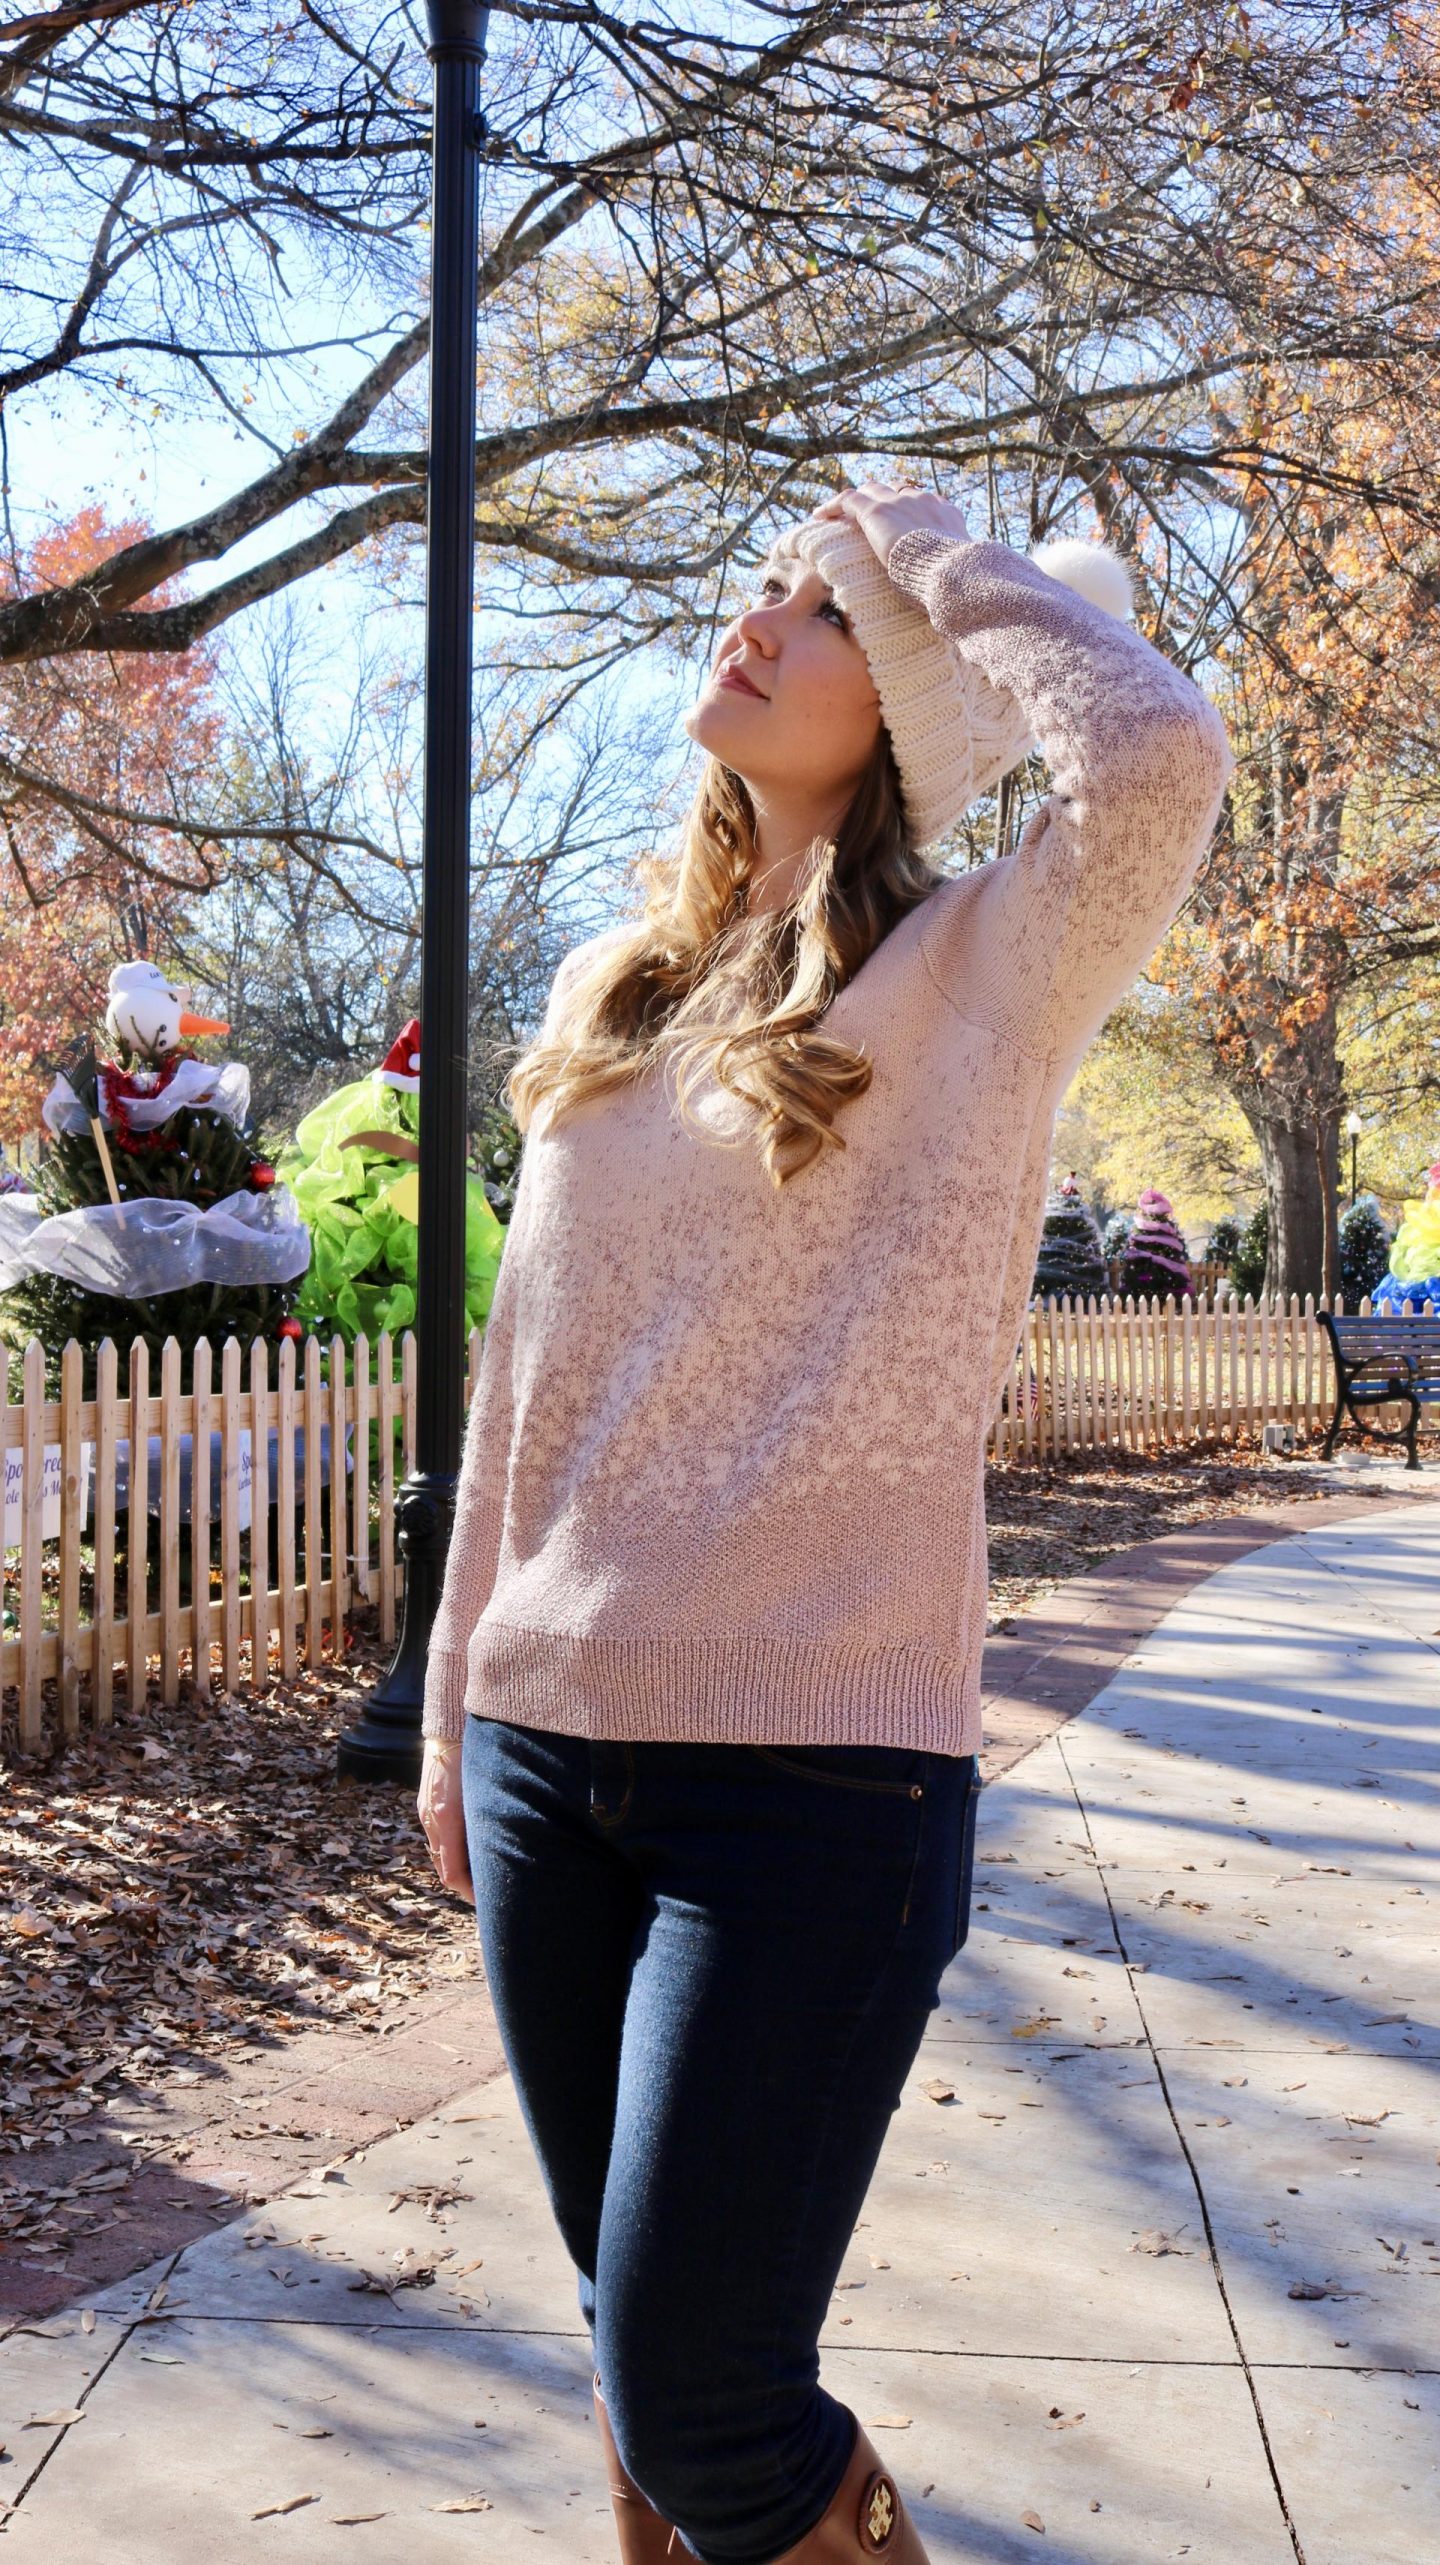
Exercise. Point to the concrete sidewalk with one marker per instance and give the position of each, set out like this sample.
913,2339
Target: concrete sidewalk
1149,2266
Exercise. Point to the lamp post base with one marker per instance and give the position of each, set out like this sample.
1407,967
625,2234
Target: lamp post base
385,1744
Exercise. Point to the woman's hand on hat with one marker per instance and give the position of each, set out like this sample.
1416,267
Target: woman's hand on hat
883,515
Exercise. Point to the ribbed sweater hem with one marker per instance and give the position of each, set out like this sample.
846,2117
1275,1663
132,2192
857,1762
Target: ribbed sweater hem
719,1689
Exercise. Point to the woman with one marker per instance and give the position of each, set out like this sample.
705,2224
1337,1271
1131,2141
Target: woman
702,1705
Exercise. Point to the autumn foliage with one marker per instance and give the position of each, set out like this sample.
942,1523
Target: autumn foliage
81,739
1325,876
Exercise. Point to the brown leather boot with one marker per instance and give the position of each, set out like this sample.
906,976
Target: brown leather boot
866,2518
645,2538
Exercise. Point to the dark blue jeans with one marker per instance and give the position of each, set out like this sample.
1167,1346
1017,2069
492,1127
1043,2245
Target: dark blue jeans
712,1966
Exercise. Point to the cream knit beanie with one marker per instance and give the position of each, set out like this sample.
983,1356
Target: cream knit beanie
953,733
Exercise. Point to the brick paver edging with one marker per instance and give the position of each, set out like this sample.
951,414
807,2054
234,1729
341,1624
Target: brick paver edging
1050,1669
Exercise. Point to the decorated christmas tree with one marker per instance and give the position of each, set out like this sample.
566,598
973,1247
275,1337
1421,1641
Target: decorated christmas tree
499,1149
1364,1249
1155,1262
1223,1244
1070,1260
151,1214
1414,1270
354,1171
1117,1234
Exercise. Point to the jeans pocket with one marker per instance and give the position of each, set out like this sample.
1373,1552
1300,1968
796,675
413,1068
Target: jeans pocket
893,1771
967,1860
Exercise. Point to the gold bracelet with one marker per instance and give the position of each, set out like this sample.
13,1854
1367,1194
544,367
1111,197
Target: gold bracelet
445,1747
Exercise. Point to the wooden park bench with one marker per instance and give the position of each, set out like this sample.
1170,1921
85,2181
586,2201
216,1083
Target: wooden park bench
1384,1360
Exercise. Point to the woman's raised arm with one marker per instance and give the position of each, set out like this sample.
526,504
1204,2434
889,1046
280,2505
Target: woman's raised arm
1053,935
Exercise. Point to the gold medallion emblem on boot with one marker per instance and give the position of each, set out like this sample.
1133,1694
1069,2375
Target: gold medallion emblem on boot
866,2517
879,2516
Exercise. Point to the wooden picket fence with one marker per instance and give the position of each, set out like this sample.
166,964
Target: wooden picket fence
268,1505
267,1509
1105,1375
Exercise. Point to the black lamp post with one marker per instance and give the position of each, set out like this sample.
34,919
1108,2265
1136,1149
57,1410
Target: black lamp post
385,1743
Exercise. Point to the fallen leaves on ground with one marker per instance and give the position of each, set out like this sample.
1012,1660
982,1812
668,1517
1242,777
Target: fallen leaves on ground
163,1911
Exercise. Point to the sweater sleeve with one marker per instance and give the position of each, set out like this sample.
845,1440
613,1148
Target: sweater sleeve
474,1551
1055,933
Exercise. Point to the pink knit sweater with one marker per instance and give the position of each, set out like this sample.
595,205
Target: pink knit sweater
723,1472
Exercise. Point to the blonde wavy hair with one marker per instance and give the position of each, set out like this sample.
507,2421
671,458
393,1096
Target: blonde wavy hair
700,987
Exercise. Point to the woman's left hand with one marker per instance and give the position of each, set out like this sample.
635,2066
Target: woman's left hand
441,1804
883,515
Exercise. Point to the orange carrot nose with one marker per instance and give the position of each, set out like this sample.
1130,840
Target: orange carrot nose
190,1025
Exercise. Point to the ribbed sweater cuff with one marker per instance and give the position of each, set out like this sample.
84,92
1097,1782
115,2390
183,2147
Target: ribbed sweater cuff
443,1711
912,556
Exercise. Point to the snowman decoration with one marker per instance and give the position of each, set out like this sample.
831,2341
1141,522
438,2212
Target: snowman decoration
147,1014
147,1018
191,1207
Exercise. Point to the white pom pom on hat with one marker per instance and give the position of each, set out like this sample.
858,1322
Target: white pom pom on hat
1088,570
954,734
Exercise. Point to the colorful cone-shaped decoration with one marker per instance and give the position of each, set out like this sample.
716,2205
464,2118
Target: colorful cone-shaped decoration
1070,1259
1155,1262
1414,1275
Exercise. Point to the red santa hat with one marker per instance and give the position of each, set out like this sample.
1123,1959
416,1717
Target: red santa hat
401,1064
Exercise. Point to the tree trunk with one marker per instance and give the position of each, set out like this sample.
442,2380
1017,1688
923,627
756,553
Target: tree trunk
1300,1160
